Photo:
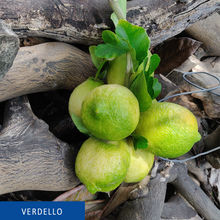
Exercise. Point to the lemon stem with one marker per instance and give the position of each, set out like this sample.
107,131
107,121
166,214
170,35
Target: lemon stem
100,68
116,8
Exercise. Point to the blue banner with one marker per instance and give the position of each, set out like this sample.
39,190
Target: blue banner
42,210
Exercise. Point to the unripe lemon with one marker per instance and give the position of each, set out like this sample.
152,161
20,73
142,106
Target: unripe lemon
80,92
117,70
110,112
102,166
141,163
171,130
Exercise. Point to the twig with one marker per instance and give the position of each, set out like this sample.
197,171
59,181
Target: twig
116,8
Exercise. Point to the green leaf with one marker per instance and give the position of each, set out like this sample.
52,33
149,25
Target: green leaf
114,46
102,70
154,63
79,124
139,141
156,87
133,57
123,6
136,36
95,59
101,64
139,89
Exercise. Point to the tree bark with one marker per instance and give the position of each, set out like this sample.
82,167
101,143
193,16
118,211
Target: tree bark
82,21
31,157
9,46
151,206
44,67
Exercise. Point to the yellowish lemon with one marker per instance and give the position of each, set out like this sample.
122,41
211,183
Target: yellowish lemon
171,130
102,166
110,112
141,163
80,92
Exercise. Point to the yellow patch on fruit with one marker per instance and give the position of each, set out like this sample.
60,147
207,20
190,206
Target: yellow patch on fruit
141,163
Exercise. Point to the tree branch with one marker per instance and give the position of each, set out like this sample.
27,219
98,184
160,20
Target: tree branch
151,206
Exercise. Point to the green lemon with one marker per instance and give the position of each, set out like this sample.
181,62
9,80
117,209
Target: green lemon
171,130
141,163
110,112
117,69
102,166
80,92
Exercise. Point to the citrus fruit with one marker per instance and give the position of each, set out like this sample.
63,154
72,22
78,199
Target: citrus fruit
102,166
80,92
141,163
117,69
171,130
110,112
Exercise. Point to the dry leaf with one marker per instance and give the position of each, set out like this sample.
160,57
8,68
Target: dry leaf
94,215
79,193
174,52
94,205
210,102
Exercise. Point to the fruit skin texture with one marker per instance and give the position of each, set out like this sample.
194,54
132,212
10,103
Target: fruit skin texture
110,112
79,93
141,163
171,130
102,166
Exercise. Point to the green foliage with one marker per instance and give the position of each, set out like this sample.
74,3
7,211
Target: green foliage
140,90
136,37
139,141
114,46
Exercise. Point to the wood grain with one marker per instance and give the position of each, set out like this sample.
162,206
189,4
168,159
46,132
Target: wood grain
82,21
44,67
31,157
9,46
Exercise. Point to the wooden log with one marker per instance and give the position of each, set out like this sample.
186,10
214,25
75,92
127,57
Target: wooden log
176,208
31,157
151,205
44,67
82,21
208,32
9,45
